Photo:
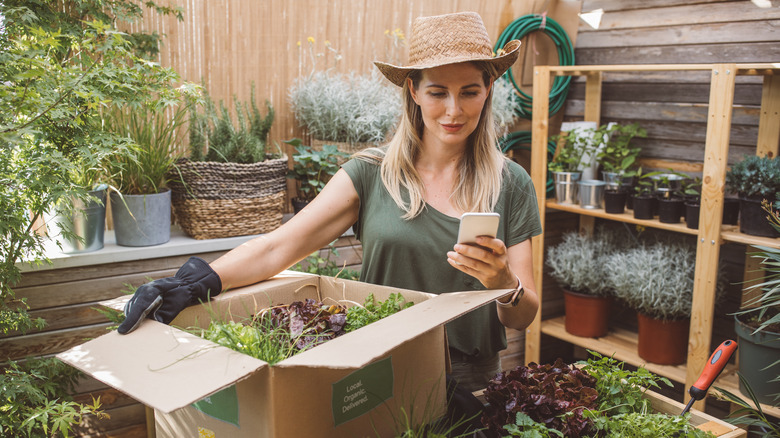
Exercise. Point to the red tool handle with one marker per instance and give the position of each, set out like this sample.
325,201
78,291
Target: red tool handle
720,357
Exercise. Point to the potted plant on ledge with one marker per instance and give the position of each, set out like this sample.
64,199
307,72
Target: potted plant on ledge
231,184
617,158
656,280
312,169
755,178
141,174
573,147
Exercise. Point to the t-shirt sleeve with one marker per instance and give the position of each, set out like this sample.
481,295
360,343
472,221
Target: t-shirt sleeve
361,172
523,222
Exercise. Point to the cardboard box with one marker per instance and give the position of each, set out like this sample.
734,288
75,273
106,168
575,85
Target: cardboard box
353,386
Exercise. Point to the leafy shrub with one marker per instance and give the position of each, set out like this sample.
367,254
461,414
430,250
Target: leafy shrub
617,155
577,263
755,176
657,279
504,105
214,137
345,107
313,168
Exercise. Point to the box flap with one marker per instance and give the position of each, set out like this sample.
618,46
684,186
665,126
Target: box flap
393,331
160,366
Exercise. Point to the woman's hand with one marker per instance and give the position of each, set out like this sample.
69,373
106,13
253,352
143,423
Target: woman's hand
488,262
499,267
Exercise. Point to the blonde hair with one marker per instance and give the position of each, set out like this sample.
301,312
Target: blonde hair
481,167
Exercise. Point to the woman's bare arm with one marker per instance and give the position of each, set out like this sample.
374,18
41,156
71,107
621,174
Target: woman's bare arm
326,218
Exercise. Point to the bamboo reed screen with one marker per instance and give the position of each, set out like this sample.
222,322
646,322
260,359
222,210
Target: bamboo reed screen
229,44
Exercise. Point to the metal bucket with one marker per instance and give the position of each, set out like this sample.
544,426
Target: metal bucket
86,221
566,187
591,193
142,220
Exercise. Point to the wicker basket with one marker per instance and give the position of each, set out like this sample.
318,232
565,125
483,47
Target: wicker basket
229,199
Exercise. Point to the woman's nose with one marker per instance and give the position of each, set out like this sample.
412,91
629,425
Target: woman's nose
453,106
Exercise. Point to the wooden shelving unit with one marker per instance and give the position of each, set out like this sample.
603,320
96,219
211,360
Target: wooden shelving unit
710,234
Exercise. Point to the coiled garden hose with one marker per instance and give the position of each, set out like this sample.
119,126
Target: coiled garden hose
522,140
523,26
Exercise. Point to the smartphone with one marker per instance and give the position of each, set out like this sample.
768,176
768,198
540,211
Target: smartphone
477,224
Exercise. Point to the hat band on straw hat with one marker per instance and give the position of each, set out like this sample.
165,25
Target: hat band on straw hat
449,39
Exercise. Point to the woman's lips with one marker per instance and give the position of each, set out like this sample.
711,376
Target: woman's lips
452,127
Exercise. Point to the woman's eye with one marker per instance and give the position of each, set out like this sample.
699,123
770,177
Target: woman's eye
470,93
438,94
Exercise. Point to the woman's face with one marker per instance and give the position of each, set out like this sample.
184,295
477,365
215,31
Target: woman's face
451,98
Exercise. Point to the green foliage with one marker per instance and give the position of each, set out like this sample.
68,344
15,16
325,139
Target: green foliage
749,414
620,391
258,339
345,107
578,143
645,185
372,311
649,425
577,263
146,166
755,176
313,169
657,279
621,407
35,399
318,265
214,136
524,426
763,309
617,155
60,63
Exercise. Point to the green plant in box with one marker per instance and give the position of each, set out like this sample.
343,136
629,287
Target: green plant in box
312,168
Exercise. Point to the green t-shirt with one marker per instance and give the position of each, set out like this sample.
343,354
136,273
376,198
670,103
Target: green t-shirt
412,254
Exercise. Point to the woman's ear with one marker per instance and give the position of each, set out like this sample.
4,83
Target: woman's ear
412,91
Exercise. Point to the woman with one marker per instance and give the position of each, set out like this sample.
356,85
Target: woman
404,201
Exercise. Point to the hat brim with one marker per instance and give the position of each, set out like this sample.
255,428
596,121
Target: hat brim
397,74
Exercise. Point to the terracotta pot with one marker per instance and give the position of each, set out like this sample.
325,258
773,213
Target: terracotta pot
663,342
586,315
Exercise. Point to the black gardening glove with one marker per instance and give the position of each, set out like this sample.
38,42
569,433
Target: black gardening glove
163,299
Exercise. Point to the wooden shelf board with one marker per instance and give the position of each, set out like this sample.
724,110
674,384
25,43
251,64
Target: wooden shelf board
584,70
622,217
733,235
623,344
729,233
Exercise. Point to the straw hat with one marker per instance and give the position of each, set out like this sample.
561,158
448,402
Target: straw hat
449,39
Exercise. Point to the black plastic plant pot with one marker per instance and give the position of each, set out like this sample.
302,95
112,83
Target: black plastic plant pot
692,214
615,201
730,211
644,206
670,210
753,219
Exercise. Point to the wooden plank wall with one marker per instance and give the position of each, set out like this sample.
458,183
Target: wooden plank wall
672,106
